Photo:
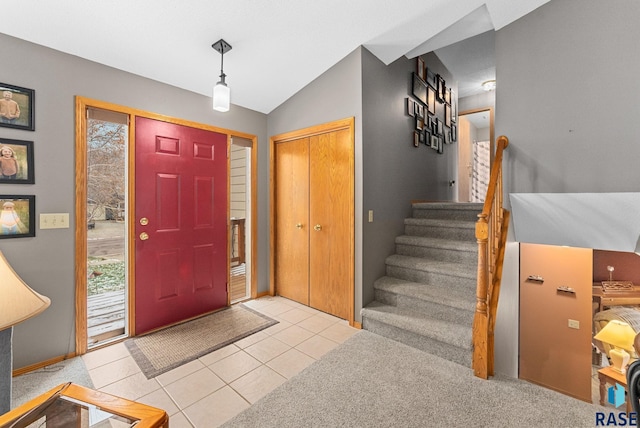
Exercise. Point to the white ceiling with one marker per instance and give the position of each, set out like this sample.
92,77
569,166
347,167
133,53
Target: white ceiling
279,46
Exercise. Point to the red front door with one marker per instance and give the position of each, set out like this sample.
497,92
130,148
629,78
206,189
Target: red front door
180,223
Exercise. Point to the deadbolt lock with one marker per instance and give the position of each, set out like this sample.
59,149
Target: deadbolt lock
144,221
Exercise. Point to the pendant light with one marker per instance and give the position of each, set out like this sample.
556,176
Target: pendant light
221,92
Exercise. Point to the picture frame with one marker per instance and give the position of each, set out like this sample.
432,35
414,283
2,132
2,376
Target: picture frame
454,107
411,111
434,142
17,216
454,133
440,127
16,107
416,139
431,99
447,115
447,96
430,77
420,68
440,89
419,109
419,89
419,123
440,145
19,165
447,137
427,137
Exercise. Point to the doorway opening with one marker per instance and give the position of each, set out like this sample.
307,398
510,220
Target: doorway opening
240,216
107,134
475,153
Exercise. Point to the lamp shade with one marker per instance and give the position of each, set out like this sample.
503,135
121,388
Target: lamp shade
617,333
18,301
221,97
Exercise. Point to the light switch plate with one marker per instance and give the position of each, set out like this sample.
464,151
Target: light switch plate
54,221
574,324
370,216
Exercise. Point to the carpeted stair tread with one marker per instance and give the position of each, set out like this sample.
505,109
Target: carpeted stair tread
463,206
455,297
437,222
437,266
445,244
421,324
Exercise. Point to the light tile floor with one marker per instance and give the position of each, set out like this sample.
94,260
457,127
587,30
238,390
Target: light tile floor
211,390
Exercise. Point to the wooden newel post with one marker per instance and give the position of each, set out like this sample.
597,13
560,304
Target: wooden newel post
480,361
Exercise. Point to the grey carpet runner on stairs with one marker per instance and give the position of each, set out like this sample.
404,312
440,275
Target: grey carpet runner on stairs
427,298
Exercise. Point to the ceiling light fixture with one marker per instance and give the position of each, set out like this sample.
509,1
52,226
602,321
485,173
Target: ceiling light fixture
221,92
489,85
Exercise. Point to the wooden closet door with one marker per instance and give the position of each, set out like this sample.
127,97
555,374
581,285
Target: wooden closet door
292,220
331,195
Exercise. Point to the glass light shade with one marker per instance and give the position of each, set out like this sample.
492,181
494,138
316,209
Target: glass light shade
221,97
489,85
19,302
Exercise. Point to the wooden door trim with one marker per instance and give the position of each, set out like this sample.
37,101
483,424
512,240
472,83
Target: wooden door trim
491,128
82,103
347,123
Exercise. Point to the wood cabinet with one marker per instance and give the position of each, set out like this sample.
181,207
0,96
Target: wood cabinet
555,318
313,220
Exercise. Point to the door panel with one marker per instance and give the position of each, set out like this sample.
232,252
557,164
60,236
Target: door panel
181,189
292,222
330,198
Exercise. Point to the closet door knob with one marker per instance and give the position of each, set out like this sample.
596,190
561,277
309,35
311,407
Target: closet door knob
299,225
317,228
144,236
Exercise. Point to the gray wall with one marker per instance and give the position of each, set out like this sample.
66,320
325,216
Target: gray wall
46,262
567,98
336,94
394,171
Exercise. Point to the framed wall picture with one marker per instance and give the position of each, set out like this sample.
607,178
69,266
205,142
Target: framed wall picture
447,115
410,107
430,77
17,216
420,68
16,161
447,96
416,138
454,133
419,89
440,145
16,107
419,123
427,137
441,88
434,142
431,99
454,107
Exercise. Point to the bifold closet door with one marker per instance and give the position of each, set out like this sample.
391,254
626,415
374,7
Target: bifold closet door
330,222
292,220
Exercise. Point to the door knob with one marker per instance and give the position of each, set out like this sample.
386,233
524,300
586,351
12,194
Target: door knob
317,228
144,236
299,225
144,221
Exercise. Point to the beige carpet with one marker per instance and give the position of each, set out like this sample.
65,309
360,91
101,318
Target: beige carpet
167,349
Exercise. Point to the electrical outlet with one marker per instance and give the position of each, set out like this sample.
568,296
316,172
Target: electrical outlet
370,216
574,324
54,221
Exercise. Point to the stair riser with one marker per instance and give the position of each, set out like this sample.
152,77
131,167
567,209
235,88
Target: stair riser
470,215
426,277
453,233
426,344
436,310
445,255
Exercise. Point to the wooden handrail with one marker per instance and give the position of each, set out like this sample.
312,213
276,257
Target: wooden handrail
491,234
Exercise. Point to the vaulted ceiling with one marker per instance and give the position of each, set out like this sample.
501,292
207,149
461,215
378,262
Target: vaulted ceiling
278,46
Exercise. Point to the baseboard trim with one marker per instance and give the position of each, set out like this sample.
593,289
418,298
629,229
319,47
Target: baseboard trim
36,366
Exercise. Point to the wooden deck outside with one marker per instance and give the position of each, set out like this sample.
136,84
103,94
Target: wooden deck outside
105,312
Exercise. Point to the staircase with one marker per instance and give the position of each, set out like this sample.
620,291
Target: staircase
427,298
